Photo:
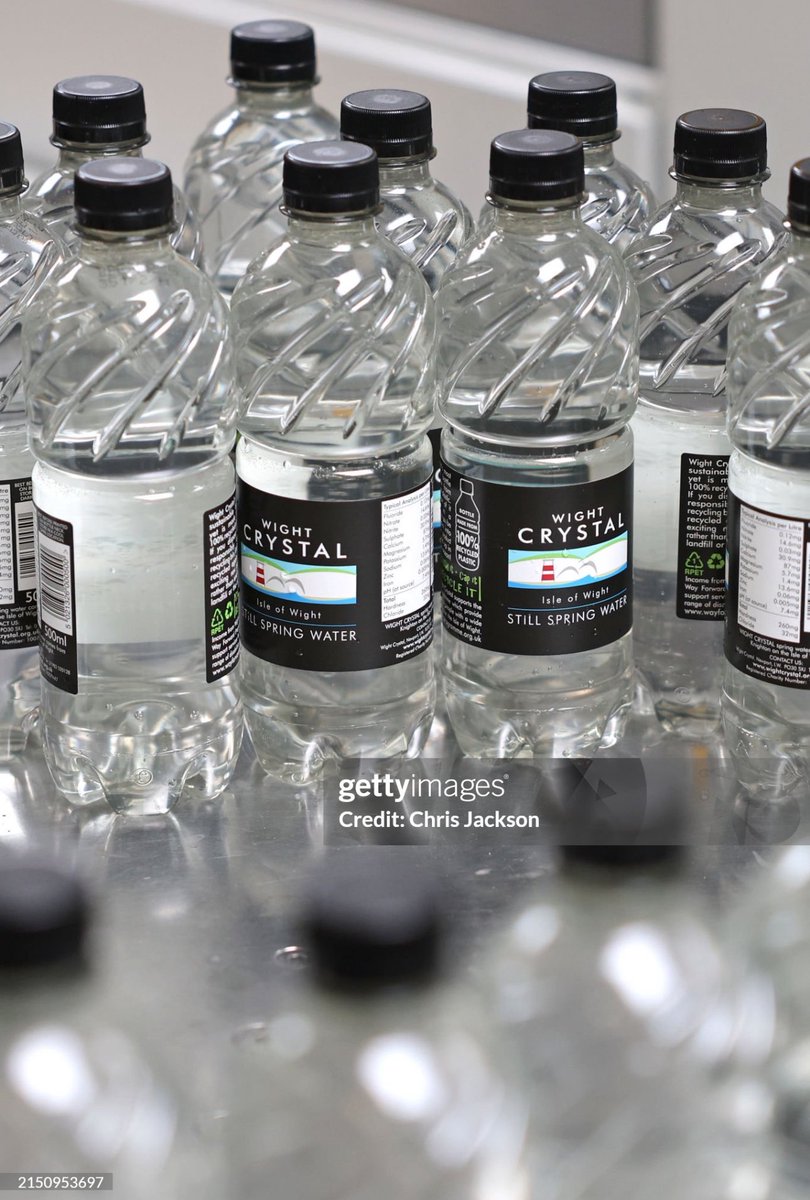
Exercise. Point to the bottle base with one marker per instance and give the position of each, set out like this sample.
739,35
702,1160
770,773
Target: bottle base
146,775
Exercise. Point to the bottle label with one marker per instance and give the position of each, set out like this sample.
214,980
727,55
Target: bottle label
435,436
768,614
18,568
221,590
537,570
343,585
701,585
57,603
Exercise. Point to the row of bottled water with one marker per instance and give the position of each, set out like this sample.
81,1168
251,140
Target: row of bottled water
615,1039
360,295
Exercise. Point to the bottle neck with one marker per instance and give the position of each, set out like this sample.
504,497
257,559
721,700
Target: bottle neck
405,172
694,193
598,153
798,240
10,205
273,99
73,156
98,245
532,221
331,231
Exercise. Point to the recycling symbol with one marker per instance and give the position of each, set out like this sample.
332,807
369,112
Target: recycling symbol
217,621
694,564
229,610
716,561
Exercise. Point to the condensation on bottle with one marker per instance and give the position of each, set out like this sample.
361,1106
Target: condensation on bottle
129,386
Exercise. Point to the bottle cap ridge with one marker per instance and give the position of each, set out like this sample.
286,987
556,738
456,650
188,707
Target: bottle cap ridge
123,194
798,205
720,143
395,123
273,52
12,170
330,177
98,110
580,102
536,165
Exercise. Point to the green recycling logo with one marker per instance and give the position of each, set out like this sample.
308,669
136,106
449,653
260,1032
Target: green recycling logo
693,564
716,561
217,621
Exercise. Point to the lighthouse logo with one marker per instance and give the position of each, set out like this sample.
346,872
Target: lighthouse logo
567,568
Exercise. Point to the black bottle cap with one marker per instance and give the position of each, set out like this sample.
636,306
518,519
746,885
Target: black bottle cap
536,165
798,205
620,813
331,177
396,124
580,102
371,918
98,110
123,194
12,171
272,52
43,916
720,143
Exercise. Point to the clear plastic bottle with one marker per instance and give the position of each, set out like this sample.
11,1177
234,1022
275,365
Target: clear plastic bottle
377,1074
537,328
617,203
81,1094
766,691
640,1040
701,248
334,338
233,174
97,116
28,253
129,387
420,215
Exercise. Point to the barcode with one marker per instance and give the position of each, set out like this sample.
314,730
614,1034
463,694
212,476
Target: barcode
26,558
55,602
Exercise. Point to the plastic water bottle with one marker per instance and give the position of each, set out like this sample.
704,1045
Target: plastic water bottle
640,1042
618,203
96,116
81,1094
233,174
129,387
701,248
27,254
537,328
766,701
378,1073
334,343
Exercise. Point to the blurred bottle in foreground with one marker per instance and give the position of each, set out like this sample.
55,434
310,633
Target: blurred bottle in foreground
28,254
96,116
233,173
378,1073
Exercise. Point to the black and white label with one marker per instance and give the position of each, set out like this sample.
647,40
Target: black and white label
341,585
768,622
221,590
701,585
57,605
435,436
18,568
537,570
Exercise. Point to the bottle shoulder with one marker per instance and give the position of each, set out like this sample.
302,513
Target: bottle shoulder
245,136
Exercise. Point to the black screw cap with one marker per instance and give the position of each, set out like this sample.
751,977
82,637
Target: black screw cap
12,171
273,52
720,143
43,916
580,102
370,919
798,205
123,194
536,165
98,110
330,177
395,123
